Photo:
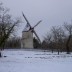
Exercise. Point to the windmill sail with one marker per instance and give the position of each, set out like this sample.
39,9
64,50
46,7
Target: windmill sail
37,36
27,27
37,23
26,19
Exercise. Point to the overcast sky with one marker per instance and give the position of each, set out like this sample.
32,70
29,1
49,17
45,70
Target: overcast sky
51,12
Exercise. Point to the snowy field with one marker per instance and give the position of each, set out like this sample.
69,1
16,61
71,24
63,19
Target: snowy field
35,61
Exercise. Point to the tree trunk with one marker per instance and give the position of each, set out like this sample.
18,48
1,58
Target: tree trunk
67,45
0,54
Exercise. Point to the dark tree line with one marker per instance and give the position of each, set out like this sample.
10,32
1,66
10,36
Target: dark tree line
13,43
36,44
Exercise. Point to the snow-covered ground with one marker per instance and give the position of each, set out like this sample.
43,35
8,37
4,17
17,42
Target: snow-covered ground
35,61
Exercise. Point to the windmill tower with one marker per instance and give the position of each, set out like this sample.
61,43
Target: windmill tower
27,35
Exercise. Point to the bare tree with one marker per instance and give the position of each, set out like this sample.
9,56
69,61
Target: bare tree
68,27
48,40
58,37
7,25
55,39
48,37
58,33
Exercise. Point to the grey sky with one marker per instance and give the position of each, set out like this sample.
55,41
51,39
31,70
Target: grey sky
52,12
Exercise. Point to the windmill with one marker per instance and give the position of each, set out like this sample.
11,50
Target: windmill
27,34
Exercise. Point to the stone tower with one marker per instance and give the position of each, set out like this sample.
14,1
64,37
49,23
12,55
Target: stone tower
27,39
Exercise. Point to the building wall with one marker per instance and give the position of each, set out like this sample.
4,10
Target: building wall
27,39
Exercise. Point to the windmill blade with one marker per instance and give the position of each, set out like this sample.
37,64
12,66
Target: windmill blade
37,36
38,23
26,19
